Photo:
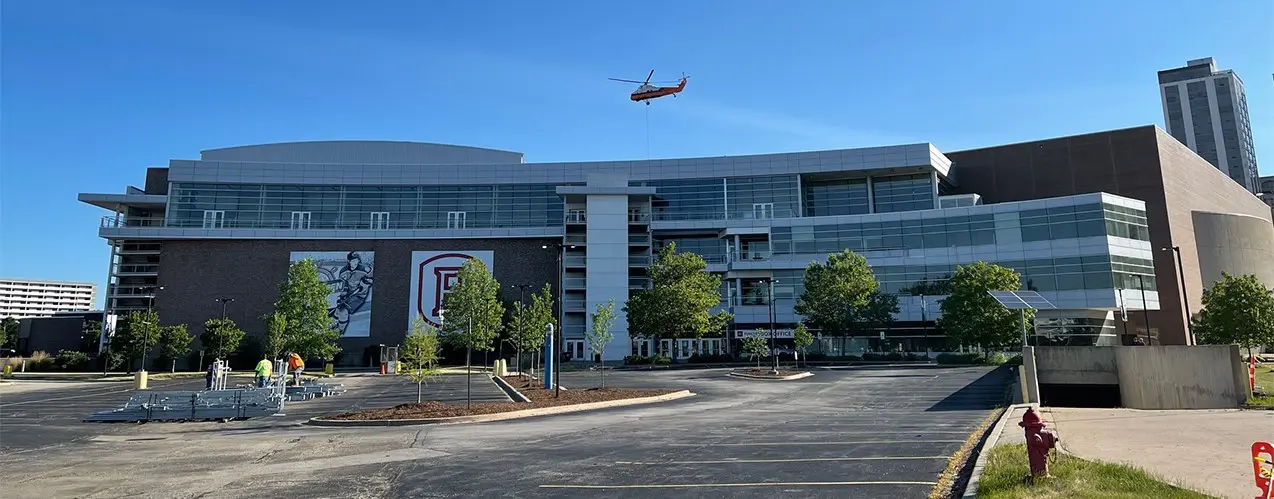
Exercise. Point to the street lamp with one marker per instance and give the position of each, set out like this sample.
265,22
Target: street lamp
773,333
224,302
150,305
561,309
1184,299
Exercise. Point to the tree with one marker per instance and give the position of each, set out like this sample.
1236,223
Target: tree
276,330
139,332
174,342
680,300
879,312
10,327
473,310
1236,310
599,335
837,292
757,344
307,329
91,336
971,316
802,338
420,354
524,336
220,338
538,317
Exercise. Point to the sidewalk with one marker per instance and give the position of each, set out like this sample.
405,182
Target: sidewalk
1206,450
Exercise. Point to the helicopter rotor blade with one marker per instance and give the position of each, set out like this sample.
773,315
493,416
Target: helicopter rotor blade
625,81
652,73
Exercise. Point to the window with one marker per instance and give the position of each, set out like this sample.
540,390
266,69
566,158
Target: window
380,220
456,219
300,220
214,219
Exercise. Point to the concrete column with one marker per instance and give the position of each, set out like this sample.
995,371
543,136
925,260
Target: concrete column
1030,378
607,266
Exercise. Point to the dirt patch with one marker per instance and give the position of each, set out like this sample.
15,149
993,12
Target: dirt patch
538,395
768,373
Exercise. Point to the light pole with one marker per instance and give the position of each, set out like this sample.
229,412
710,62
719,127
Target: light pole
561,309
773,333
150,307
521,323
923,326
1181,271
224,302
1145,309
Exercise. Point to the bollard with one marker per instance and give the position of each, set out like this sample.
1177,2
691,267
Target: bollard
329,368
8,370
140,379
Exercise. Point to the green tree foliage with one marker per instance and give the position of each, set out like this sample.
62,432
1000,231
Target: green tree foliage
757,343
972,317
473,310
174,341
421,350
879,312
526,332
220,338
538,316
276,331
90,336
599,334
138,332
837,293
1236,310
10,327
680,300
802,338
308,329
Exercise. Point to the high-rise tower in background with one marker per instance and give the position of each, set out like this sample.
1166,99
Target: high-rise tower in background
1206,110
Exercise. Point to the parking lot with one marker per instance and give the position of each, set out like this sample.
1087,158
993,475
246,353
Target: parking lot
862,432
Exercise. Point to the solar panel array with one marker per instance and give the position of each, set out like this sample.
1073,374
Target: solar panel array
1021,300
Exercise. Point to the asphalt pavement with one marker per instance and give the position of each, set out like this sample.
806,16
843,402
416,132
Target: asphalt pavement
863,432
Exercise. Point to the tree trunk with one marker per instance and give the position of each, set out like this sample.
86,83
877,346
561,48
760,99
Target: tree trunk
603,369
418,387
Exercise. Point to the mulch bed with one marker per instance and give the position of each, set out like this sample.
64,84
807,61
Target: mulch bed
767,372
532,389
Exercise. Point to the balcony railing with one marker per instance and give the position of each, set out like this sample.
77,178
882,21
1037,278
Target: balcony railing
639,239
638,216
575,240
576,217
639,261
759,214
110,222
138,269
573,305
576,261
574,283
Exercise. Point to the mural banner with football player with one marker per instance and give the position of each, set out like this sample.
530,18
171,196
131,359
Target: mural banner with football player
349,275
432,275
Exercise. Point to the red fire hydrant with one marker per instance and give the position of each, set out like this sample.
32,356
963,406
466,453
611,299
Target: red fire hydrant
1038,442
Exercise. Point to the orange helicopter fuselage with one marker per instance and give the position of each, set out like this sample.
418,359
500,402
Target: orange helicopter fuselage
658,92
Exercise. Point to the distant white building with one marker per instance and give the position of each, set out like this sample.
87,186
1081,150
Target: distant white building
28,298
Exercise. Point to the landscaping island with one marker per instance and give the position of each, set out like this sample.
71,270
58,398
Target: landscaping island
770,374
532,389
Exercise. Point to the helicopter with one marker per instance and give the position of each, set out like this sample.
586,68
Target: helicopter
647,92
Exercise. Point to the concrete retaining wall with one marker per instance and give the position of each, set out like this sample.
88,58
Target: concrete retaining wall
1076,365
1181,377
1150,377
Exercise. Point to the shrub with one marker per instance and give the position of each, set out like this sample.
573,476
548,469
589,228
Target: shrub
973,359
660,360
69,360
636,360
877,356
40,361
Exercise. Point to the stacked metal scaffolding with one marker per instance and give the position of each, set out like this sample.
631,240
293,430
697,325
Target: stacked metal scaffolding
220,403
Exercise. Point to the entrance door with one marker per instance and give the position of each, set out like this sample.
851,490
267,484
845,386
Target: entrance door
665,347
214,219
300,220
685,348
763,211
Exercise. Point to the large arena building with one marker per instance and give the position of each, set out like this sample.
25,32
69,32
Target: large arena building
1084,219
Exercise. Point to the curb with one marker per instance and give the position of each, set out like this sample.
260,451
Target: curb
805,374
513,393
992,438
482,418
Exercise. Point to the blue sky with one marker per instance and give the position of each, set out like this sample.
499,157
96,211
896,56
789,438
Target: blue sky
92,92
